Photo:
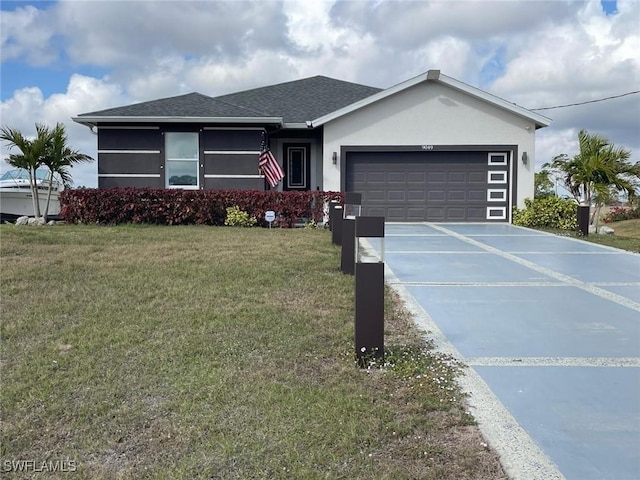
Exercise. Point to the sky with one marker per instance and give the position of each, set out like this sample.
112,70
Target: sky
64,58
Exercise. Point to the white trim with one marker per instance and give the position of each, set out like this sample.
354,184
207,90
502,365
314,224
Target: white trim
129,175
436,76
232,152
128,151
216,175
491,162
503,191
233,128
129,128
94,120
493,172
502,216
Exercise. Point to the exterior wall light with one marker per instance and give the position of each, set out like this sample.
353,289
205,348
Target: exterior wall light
334,157
525,158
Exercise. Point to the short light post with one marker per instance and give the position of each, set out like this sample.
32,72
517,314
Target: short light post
584,212
369,298
335,223
351,210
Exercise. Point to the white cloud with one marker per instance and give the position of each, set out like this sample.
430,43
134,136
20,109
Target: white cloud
84,94
532,53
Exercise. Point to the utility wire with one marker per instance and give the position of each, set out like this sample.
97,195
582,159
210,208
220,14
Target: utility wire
589,101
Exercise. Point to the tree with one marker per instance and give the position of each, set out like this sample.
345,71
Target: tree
49,148
30,157
543,185
598,170
59,158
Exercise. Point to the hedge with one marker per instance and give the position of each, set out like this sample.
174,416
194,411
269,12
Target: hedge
547,212
112,206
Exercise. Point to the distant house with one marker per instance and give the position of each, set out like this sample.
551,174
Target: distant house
429,149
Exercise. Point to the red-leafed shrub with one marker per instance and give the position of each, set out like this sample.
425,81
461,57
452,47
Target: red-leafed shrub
112,206
618,214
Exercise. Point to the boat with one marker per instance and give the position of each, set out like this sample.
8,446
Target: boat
16,197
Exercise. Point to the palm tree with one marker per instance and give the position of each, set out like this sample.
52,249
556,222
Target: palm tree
59,158
30,157
597,170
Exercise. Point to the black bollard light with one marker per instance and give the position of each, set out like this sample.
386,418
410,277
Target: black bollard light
369,301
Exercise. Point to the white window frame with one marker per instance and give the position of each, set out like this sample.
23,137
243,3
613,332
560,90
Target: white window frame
196,161
503,161
502,216
493,172
502,191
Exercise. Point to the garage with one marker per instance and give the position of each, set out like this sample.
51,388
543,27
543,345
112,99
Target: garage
425,184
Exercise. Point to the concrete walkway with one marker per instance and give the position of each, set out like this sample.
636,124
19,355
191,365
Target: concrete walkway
550,327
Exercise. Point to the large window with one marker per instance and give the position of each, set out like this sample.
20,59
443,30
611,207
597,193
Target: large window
181,151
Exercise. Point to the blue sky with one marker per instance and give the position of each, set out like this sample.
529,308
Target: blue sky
60,59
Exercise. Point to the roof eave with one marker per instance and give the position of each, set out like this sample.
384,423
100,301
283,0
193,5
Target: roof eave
539,120
435,75
92,121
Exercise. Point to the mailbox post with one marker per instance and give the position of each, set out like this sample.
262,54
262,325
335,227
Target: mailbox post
369,279
351,211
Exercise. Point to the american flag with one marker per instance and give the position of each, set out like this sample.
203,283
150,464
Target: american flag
268,164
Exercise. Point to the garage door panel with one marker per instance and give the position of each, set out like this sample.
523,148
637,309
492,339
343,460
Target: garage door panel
374,196
478,177
395,214
457,195
476,214
457,177
435,213
456,214
436,195
436,186
437,177
415,214
476,195
416,195
397,196
376,177
416,177
397,177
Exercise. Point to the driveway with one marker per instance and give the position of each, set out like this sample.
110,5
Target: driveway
550,328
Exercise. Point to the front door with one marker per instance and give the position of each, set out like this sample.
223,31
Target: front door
297,166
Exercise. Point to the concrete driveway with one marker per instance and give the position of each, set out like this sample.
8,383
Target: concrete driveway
550,328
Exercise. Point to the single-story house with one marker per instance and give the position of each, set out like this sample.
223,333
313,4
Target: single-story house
431,148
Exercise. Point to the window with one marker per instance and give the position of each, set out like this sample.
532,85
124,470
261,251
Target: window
181,152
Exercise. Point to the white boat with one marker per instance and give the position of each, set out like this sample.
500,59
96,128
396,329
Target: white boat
16,197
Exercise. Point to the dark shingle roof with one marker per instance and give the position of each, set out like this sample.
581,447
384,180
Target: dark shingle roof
302,100
189,105
296,102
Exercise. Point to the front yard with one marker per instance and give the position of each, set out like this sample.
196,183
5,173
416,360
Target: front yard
211,353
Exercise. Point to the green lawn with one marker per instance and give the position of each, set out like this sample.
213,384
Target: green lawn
626,236
212,353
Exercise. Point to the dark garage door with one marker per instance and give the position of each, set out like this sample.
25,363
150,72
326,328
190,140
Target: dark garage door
433,186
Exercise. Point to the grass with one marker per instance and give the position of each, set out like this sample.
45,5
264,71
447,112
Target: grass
626,236
213,353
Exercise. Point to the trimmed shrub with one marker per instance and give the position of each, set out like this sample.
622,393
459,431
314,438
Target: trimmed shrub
617,214
238,218
113,206
548,212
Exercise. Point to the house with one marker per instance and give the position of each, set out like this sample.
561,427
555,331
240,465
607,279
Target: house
429,149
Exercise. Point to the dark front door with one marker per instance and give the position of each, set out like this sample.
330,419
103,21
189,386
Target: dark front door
297,166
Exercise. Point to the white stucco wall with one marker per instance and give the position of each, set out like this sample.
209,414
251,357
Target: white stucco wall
431,114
